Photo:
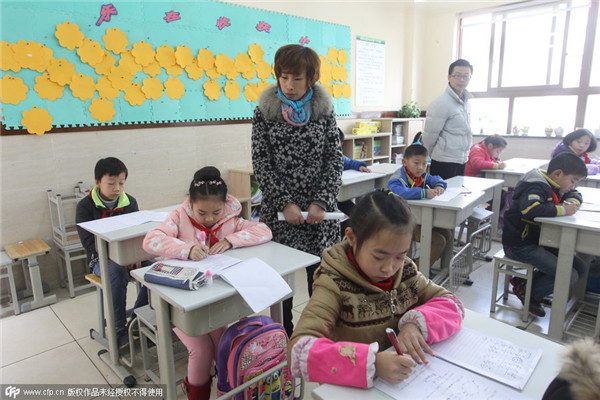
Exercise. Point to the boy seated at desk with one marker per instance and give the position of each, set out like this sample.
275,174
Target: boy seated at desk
542,194
107,199
412,182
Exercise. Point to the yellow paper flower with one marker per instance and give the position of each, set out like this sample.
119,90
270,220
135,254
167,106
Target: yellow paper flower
102,110
82,86
244,65
225,66
152,69
184,56
263,70
165,55
115,40
90,52
174,88
206,59
325,74
212,73
106,65
251,92
12,90
37,120
105,89
120,77
7,58
212,89
134,94
69,35
61,71
347,90
30,54
261,86
143,53
337,90
332,55
256,53
174,70
48,56
128,62
342,57
232,90
152,88
339,73
46,88
194,71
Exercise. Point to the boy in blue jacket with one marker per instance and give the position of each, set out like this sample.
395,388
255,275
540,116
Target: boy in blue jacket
542,194
413,182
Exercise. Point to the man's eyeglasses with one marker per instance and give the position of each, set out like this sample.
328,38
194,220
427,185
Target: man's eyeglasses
461,77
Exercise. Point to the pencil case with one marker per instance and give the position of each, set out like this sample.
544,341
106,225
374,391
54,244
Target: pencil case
188,278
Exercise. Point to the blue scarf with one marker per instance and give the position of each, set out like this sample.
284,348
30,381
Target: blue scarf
296,113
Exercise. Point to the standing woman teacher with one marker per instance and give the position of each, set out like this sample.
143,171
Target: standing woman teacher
297,158
447,134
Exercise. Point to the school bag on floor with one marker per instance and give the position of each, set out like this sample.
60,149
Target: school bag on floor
248,348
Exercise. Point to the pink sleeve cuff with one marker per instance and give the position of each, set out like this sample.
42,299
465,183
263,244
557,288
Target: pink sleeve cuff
414,317
443,317
339,363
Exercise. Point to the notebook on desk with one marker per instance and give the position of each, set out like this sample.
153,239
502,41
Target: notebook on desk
462,365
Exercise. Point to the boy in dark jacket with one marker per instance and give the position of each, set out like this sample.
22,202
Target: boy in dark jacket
542,194
107,199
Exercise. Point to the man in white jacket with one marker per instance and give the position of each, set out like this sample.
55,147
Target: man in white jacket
447,133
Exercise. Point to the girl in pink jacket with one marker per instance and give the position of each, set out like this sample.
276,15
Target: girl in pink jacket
211,210
485,155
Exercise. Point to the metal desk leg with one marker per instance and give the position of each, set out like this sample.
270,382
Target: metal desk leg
36,282
496,209
166,363
425,252
562,281
277,312
110,357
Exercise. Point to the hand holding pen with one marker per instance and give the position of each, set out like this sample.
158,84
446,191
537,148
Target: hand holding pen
200,250
411,339
393,367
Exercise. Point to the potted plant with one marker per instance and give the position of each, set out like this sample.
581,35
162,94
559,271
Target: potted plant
558,131
515,130
549,130
410,110
525,131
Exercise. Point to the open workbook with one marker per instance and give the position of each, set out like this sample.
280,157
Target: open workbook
462,366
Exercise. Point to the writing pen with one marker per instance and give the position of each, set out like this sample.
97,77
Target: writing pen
394,339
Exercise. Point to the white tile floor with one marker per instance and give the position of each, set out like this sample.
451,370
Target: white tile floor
52,344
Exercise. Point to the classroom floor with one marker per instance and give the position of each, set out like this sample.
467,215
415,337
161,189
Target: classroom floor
52,345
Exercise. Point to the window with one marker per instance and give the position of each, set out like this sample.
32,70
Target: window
536,65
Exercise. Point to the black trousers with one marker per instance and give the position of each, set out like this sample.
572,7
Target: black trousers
446,170
289,303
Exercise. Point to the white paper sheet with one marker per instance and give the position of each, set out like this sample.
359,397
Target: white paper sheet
328,215
257,282
352,173
110,224
215,263
451,193
499,359
440,380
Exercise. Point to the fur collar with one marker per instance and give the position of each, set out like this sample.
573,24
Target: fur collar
270,105
581,368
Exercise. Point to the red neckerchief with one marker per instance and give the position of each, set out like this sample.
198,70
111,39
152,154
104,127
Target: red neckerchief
385,285
210,233
106,211
555,198
418,181
586,158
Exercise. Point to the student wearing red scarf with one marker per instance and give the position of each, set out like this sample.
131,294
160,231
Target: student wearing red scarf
412,182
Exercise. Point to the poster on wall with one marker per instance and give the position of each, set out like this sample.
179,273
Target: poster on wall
370,71
96,63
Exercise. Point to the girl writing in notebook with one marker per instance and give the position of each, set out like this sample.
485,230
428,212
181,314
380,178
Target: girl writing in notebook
364,285
211,214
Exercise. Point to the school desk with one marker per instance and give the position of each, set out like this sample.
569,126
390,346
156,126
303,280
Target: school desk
123,246
492,189
201,311
591,181
514,170
432,213
362,184
543,374
575,233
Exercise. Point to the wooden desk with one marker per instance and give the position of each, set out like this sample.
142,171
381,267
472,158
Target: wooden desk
544,373
514,170
576,233
432,213
492,189
201,311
